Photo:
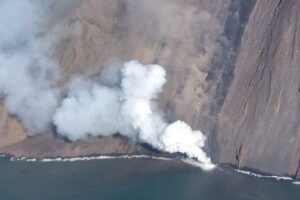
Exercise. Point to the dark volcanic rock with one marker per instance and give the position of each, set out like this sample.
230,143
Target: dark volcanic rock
260,119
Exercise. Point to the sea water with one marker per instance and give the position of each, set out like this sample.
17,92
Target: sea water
130,179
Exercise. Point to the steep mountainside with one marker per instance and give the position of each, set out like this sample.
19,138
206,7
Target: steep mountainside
259,121
231,72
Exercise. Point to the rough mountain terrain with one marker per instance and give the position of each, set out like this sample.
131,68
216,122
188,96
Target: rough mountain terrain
232,71
259,121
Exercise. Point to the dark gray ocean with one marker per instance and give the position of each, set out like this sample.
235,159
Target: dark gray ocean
130,179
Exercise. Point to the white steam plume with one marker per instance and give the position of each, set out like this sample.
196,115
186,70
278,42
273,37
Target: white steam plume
27,74
126,106
122,101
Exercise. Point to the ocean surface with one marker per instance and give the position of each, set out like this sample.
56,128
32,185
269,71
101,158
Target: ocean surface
130,179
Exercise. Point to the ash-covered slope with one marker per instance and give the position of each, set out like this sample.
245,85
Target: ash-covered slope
234,78
259,121
182,36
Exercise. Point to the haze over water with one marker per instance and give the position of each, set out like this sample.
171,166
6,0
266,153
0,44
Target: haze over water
129,179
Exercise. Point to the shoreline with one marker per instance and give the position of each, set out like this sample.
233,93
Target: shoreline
264,176
278,178
187,161
88,158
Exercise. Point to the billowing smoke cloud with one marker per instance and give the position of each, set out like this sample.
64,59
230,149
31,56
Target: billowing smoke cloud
126,105
121,100
27,74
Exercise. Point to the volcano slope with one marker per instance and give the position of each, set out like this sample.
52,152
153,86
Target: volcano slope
232,69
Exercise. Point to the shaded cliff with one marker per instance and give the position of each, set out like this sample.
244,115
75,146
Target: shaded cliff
259,121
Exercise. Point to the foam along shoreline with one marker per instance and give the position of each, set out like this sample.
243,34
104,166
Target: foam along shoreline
189,161
278,178
203,166
87,158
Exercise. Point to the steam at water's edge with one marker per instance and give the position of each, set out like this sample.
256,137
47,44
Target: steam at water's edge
126,105
120,101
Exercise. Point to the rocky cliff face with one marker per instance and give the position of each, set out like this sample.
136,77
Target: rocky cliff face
259,121
231,75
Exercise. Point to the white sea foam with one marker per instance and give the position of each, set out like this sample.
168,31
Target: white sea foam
74,159
203,166
286,178
296,182
31,160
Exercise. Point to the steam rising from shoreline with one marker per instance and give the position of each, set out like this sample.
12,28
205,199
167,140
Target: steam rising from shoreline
128,107
121,101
